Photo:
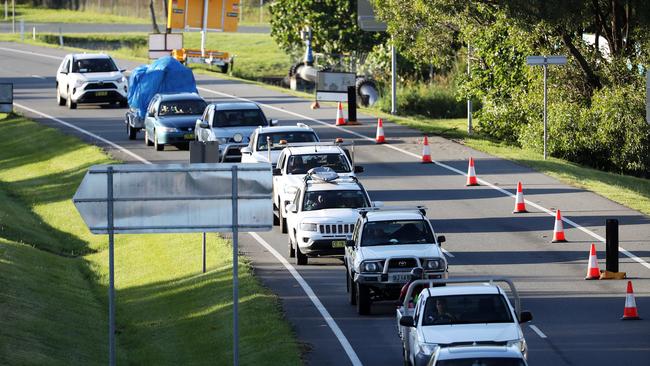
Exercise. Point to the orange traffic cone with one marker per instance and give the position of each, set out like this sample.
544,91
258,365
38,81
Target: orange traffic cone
471,174
340,121
630,313
315,105
558,230
520,204
593,272
380,139
426,152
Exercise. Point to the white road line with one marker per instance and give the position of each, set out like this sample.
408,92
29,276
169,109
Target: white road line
39,77
31,53
314,299
538,331
352,355
507,193
447,253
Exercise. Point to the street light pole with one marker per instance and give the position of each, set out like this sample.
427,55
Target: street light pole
393,79
545,105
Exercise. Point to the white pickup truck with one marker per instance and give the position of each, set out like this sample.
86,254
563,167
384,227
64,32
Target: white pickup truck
455,315
387,243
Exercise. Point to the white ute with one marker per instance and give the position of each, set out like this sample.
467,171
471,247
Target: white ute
266,143
456,315
322,214
386,245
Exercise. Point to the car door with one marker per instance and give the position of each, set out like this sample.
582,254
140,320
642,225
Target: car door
150,118
62,76
410,339
292,217
277,179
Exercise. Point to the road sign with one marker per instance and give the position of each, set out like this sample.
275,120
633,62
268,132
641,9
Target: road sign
333,86
162,44
215,15
366,18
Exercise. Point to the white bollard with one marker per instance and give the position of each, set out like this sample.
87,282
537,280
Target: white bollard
34,33
6,10
22,30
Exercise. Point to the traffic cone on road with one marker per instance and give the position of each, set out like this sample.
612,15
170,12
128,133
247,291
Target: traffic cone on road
426,152
558,230
630,313
380,139
593,272
520,204
471,174
340,121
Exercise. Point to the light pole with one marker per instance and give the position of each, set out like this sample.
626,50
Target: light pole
544,61
469,100
393,79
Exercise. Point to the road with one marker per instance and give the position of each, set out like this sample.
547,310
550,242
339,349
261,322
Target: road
576,322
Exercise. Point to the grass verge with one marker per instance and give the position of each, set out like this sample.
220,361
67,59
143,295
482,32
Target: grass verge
53,275
45,15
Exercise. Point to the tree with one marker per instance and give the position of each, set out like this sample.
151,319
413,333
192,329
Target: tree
153,17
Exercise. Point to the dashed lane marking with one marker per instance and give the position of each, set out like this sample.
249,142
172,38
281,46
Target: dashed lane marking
538,331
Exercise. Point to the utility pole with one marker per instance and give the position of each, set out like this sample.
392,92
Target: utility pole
13,16
469,100
261,6
393,79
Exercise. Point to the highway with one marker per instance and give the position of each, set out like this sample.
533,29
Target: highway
576,322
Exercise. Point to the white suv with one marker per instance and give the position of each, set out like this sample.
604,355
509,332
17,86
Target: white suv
322,214
387,243
293,164
266,143
90,78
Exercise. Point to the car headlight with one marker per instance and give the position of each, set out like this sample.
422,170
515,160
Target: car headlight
521,346
238,137
308,226
167,129
79,82
428,348
371,267
121,79
432,264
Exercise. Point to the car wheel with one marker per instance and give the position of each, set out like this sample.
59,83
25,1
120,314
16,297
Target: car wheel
131,131
70,103
60,101
147,140
363,299
276,219
159,147
353,289
124,104
405,357
292,251
301,258
282,221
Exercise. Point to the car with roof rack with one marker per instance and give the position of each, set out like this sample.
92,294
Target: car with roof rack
231,125
296,159
478,355
465,311
387,243
266,143
321,216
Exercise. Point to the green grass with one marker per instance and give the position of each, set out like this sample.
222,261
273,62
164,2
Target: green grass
53,275
44,15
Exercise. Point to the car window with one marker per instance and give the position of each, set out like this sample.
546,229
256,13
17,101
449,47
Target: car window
181,108
89,65
236,118
319,200
280,160
65,65
396,232
466,309
300,164
482,361
289,137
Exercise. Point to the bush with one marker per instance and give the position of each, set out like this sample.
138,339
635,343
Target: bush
430,101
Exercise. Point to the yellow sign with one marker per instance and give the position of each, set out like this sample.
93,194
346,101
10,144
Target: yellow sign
223,15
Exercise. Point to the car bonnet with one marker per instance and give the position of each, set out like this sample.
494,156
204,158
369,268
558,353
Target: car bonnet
482,332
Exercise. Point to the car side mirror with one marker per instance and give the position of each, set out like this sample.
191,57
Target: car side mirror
407,321
292,208
358,169
525,317
245,150
122,70
203,124
349,243
273,122
277,171
64,72
150,115
441,239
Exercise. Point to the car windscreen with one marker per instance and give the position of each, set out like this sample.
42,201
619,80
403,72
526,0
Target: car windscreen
482,361
88,65
319,200
181,108
395,232
466,309
300,164
289,137
239,118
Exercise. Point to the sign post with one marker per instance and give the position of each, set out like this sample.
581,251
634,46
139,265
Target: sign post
175,198
6,97
544,61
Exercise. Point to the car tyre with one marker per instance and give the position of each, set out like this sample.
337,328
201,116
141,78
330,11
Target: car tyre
301,258
70,103
147,141
363,299
282,222
276,219
131,131
123,104
405,357
159,147
352,287
292,251
59,100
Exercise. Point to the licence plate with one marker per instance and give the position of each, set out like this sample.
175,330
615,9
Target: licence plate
338,243
101,94
399,277
188,136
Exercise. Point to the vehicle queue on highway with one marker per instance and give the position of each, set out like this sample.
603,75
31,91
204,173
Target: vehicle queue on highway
389,253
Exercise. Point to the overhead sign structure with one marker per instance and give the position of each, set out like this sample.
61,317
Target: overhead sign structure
173,198
545,61
333,86
6,98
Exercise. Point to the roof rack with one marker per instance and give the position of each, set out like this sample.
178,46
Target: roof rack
327,175
364,210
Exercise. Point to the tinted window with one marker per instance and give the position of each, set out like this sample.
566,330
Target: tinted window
300,164
235,118
396,232
289,137
181,108
93,65
319,200
483,361
466,309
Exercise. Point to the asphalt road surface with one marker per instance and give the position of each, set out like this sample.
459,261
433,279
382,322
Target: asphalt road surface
576,322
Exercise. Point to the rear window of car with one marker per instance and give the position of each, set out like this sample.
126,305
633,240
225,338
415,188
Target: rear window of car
300,164
289,137
89,65
181,108
320,200
466,309
482,361
237,118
